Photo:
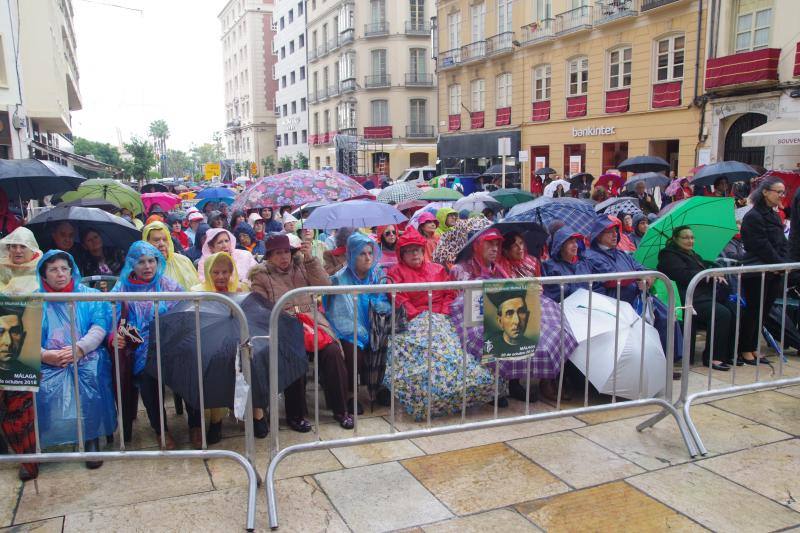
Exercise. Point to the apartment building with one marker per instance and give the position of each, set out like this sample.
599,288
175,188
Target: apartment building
291,109
248,29
372,88
13,140
578,85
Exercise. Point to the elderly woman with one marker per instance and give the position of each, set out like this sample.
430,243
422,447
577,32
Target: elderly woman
222,240
99,259
387,239
144,271
411,348
55,400
515,259
178,267
427,225
447,218
19,255
246,239
334,259
640,225
286,269
566,259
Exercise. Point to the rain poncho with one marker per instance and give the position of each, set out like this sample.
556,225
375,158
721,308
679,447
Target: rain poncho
179,268
244,260
19,279
441,216
430,241
234,285
339,308
56,397
140,314
256,246
557,266
475,267
605,261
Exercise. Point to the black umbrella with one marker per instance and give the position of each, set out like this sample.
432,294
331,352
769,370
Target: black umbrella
535,236
497,170
544,171
581,181
97,203
731,170
643,163
24,179
115,231
154,187
650,179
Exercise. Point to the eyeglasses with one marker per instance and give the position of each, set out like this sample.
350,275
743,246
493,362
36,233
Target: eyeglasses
780,193
389,232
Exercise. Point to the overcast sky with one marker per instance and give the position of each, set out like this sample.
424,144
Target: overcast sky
164,62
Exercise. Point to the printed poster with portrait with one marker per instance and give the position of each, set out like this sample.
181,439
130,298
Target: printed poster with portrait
511,319
20,345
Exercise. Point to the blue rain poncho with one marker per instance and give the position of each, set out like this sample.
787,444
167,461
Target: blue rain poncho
55,400
140,314
339,308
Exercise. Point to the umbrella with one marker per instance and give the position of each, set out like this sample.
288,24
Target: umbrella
215,193
577,180
24,179
432,207
115,231
534,234
454,240
579,214
411,204
298,187
167,201
441,194
241,180
616,180
621,204
154,187
629,346
353,214
306,209
674,186
111,190
650,179
497,170
711,219
544,171
790,179
510,197
477,201
225,200
97,203
732,170
550,190
643,163
399,192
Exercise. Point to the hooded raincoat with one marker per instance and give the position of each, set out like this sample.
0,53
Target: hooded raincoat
19,279
244,260
339,309
256,246
441,216
56,405
178,267
634,235
234,285
557,266
8,221
604,261
432,241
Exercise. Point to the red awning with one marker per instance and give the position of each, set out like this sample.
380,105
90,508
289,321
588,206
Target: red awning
746,67
667,94
476,120
540,111
618,101
377,132
576,106
454,123
503,116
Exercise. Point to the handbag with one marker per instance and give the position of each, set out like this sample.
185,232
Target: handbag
324,339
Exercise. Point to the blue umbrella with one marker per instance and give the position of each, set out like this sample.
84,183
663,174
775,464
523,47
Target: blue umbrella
226,199
731,170
578,213
215,194
353,214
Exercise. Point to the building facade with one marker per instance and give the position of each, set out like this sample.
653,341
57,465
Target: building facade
577,86
372,88
291,110
248,28
13,135
753,81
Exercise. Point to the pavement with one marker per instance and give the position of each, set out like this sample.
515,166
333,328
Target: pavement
591,472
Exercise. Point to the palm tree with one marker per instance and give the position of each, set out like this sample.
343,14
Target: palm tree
159,131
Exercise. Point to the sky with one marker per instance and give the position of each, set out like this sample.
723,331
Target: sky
160,59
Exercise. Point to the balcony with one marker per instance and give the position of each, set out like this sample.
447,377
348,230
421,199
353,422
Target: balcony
502,43
653,4
348,131
376,29
346,37
419,79
418,27
347,86
450,58
377,81
574,20
419,131
473,51
322,94
607,11
312,97
537,32
326,138
312,54
378,132
322,50
333,44
333,90
748,69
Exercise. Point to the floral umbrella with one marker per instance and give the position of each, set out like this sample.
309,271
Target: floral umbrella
298,187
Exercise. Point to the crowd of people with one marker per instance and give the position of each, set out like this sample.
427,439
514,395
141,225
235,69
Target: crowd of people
270,253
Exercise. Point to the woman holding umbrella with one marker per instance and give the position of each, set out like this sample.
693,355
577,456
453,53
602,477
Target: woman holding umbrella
178,267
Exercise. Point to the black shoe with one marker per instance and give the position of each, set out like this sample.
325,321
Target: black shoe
214,433
345,420
29,472
260,428
502,402
517,391
724,367
300,425
92,446
384,397
358,406
755,361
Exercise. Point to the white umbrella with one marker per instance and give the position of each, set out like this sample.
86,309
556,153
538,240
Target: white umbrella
477,201
241,180
550,190
629,347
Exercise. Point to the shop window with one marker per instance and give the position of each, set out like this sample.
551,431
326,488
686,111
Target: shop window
613,155
419,159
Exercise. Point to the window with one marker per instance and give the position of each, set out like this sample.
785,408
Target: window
752,30
416,10
380,112
325,78
504,17
478,22
417,61
315,83
578,72
543,9
346,115
302,104
283,52
377,11
454,92
285,110
478,90
286,139
503,90
304,136
418,115
294,108
316,123
292,78
283,82
302,41
302,73
282,23
327,120
379,63
299,8
291,47
541,83
347,66
291,16
619,68
454,29
669,58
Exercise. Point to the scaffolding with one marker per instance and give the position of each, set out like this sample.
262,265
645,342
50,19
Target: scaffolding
359,156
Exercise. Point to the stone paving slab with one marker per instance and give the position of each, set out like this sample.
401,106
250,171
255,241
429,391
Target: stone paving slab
51,525
368,454
10,487
770,408
791,391
487,477
497,521
714,501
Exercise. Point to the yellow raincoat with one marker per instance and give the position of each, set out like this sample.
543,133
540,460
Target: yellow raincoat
234,285
19,279
179,267
441,216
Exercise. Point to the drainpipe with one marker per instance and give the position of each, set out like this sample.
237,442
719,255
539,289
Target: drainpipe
697,51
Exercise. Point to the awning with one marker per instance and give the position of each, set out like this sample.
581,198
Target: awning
77,160
777,132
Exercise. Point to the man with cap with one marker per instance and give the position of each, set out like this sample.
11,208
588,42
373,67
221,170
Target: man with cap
194,219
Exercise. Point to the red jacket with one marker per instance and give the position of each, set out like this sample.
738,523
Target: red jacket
416,303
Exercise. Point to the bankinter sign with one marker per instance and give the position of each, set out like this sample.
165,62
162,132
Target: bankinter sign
594,131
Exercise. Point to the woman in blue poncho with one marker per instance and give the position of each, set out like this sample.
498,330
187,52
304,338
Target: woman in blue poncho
143,272
57,413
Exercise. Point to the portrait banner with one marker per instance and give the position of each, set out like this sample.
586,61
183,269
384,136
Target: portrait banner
511,319
20,344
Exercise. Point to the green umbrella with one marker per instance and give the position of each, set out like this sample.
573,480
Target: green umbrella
712,221
108,189
508,198
441,194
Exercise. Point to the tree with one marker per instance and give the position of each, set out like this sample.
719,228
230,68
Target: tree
206,153
143,156
301,161
268,163
159,131
178,163
284,164
102,152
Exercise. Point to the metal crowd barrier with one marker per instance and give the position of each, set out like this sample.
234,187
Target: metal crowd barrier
247,461
685,399
277,454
